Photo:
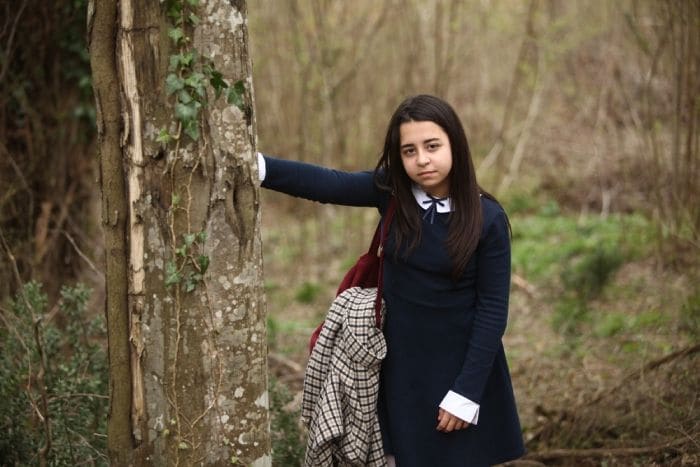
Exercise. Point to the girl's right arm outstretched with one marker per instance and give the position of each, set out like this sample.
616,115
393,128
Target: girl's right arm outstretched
318,183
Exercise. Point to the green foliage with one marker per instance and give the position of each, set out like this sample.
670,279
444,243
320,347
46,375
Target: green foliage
611,324
586,275
272,331
189,73
569,314
74,374
546,244
307,292
583,253
287,438
189,265
690,315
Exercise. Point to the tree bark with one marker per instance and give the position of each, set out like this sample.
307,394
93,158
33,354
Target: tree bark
196,355
102,43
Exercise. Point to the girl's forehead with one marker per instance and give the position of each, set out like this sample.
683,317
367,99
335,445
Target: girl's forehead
420,131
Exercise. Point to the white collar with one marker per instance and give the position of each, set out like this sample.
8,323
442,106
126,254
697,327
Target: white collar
423,200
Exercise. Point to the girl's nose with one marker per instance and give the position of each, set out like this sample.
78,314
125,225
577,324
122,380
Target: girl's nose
423,158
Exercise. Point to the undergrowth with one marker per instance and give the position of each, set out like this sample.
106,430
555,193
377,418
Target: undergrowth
53,390
574,260
287,437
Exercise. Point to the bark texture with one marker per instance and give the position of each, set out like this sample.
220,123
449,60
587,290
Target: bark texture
102,44
197,359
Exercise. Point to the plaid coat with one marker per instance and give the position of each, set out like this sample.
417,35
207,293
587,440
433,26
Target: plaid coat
341,385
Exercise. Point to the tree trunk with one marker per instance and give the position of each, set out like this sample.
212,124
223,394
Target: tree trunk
185,306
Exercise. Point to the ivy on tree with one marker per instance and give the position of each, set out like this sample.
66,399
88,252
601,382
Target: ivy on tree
189,75
190,72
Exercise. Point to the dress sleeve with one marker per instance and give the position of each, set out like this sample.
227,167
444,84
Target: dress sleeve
492,291
320,184
461,407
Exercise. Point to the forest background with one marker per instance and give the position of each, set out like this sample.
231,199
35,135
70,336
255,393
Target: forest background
582,117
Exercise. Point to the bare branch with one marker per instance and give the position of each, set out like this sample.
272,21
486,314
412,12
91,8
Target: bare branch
607,452
10,40
83,255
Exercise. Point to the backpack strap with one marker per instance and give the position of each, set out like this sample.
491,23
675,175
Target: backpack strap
383,234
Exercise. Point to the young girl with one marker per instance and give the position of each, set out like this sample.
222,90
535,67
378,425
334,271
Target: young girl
446,397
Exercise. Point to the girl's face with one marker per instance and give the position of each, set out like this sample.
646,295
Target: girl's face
427,156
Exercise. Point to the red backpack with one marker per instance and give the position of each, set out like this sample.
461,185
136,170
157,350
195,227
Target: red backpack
367,271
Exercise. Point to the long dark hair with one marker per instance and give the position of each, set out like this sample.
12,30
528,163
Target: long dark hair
466,221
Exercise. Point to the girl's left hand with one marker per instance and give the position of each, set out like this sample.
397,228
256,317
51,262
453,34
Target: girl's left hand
448,422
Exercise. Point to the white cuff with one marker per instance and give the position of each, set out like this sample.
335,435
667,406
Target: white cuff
262,168
461,407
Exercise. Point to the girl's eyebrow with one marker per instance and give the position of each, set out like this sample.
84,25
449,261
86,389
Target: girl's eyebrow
429,140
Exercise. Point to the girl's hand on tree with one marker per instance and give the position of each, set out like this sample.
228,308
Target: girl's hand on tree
448,422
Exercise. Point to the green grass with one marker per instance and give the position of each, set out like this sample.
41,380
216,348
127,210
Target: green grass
544,243
575,259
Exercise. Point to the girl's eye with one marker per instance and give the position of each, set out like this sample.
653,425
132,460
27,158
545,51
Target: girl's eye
433,146
408,151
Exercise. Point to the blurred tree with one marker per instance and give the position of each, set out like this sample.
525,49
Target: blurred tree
46,136
185,310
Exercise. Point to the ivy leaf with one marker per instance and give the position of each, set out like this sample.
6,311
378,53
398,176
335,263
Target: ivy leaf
239,86
196,81
172,276
190,283
173,83
174,62
217,82
194,3
176,34
186,112
235,95
203,263
184,97
194,19
189,239
181,60
175,200
192,130
163,136
202,236
175,11
186,60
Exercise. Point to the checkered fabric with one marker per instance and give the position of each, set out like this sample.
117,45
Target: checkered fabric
341,385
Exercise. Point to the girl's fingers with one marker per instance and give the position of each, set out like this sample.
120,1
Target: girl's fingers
448,422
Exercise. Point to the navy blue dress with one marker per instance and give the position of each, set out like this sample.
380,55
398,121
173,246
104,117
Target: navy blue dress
441,334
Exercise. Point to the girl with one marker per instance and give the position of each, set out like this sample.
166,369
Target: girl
446,397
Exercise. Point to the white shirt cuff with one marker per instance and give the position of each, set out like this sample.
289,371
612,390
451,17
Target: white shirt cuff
461,407
262,168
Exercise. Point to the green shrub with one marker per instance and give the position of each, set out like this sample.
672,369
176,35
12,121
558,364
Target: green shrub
690,315
586,276
75,376
569,314
307,292
611,324
287,438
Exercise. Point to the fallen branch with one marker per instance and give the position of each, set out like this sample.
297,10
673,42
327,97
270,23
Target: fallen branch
290,365
585,405
522,283
648,367
606,452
